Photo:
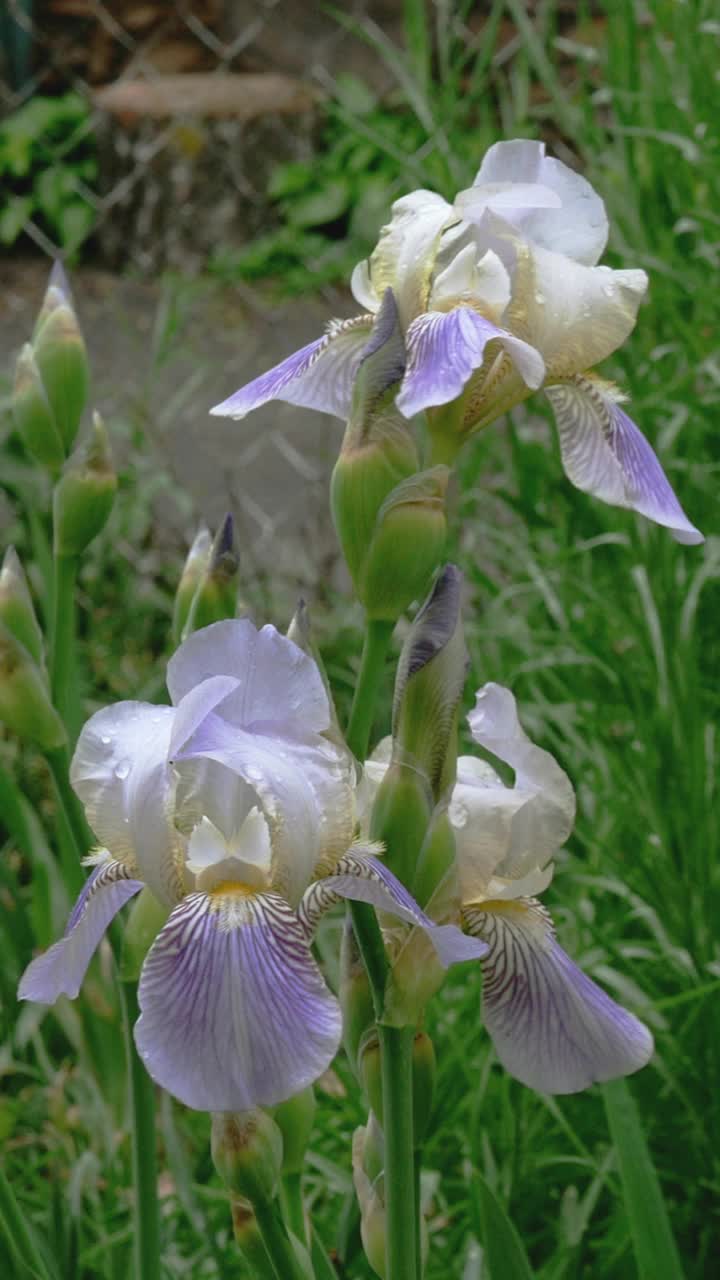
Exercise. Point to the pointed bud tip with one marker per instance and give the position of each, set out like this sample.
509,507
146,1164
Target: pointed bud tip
436,620
224,558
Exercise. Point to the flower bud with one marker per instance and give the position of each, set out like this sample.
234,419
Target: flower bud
429,684
371,1202
424,1073
436,857
407,545
355,996
33,416
295,1119
248,1238
16,606
247,1151
84,494
144,922
216,594
25,706
371,1073
61,357
197,561
378,450
401,815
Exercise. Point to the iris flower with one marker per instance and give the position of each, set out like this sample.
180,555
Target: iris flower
498,294
236,810
552,1027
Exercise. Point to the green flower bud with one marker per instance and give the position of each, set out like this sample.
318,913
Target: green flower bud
16,606
61,358
378,450
424,1077
370,1195
33,416
429,684
371,1073
25,706
197,561
248,1237
84,494
144,922
216,596
407,545
355,996
295,1119
247,1151
373,1149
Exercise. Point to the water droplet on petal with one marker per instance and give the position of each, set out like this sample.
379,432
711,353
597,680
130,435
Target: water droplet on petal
540,299
106,740
608,290
122,770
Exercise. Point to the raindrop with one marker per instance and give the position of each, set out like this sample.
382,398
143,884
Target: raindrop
122,770
106,740
540,299
608,290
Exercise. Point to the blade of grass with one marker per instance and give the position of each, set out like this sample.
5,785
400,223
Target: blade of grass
503,1248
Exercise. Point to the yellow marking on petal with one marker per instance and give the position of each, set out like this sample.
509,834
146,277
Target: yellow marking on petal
232,888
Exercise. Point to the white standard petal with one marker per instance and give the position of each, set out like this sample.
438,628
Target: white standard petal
362,288
575,315
553,1028
305,789
61,969
605,454
538,812
235,1013
122,774
404,256
276,683
480,280
578,228
319,376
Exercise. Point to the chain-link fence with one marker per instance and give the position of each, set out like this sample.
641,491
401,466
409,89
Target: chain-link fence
141,134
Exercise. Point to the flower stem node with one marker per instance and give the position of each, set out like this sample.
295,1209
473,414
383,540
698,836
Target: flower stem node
25,706
84,494
16,606
295,1119
62,361
33,415
247,1150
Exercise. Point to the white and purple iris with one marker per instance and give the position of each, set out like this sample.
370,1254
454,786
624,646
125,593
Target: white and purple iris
498,294
236,810
553,1028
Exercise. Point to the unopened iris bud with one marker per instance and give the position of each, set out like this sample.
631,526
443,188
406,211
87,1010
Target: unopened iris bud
144,922
33,415
295,1119
424,1074
436,857
407,545
25,706
216,596
355,996
401,814
197,561
61,358
378,450
371,1202
16,606
247,1151
84,494
371,1073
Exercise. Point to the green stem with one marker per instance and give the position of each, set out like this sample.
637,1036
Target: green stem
396,1045
372,667
14,815
73,837
62,633
146,1217
284,1260
322,1265
16,1232
293,1206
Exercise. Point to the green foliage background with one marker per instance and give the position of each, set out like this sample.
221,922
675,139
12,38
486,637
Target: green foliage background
605,629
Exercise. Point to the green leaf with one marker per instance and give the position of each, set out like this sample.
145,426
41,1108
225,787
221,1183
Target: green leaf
13,218
653,1242
319,207
502,1246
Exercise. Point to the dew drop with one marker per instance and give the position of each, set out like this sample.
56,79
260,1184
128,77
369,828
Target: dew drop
122,770
540,299
106,740
608,290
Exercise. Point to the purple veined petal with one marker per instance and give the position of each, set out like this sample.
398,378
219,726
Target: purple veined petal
445,348
319,376
234,1011
121,772
578,229
275,682
304,785
60,970
362,878
605,454
553,1028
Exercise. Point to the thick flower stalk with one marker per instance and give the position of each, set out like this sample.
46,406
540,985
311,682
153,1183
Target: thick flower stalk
236,811
498,294
552,1027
